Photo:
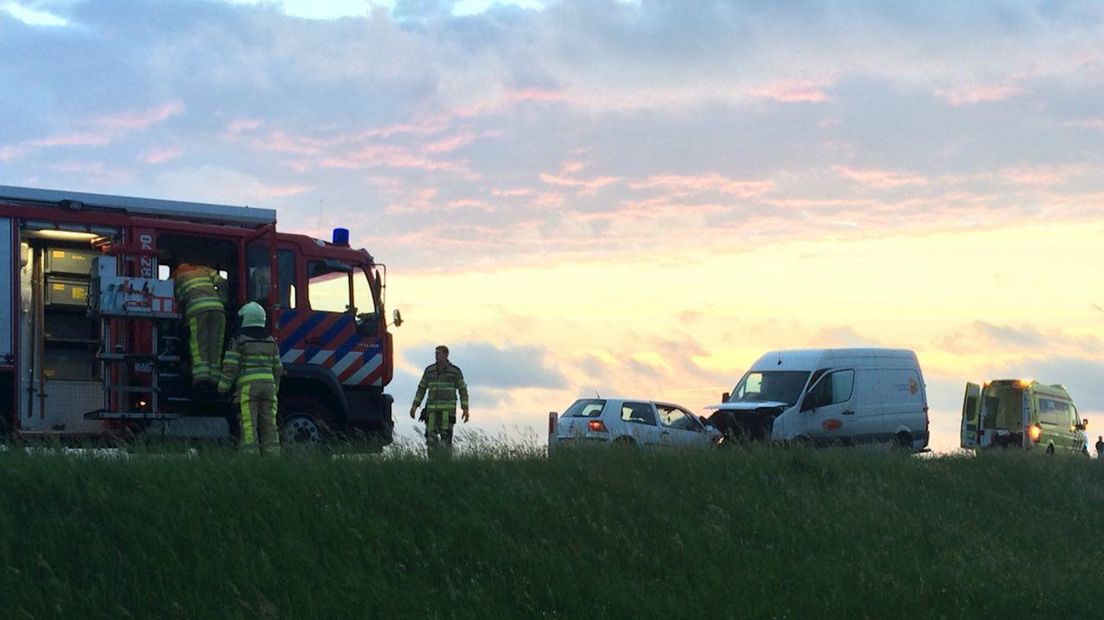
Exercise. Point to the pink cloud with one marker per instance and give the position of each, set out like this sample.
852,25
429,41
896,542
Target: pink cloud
11,152
280,142
512,193
882,179
970,95
658,207
84,138
683,185
584,185
106,129
793,92
134,121
469,204
1037,176
427,125
242,125
450,144
160,156
1089,123
389,156
536,94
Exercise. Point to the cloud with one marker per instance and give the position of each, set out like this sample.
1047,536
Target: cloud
486,366
982,337
880,179
972,95
793,92
1082,377
160,155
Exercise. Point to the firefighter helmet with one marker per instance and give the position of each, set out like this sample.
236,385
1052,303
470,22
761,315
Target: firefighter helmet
252,315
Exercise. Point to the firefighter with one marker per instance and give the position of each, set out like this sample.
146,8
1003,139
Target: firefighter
440,383
252,365
202,292
1100,446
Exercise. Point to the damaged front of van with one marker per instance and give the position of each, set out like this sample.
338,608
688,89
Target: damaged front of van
764,404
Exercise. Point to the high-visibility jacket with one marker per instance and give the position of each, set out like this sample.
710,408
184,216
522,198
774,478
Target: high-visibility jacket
252,363
250,359
200,289
439,386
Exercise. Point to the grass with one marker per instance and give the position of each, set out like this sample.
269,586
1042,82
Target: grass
508,533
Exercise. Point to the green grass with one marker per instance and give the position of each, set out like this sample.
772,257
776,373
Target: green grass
594,534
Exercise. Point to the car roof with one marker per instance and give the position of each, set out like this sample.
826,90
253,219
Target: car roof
622,399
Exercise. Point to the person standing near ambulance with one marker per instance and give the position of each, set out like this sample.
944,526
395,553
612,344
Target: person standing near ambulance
203,293
252,365
440,384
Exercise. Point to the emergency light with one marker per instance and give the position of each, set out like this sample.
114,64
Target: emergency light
341,237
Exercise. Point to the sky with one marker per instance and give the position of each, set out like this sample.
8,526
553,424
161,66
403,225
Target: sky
631,198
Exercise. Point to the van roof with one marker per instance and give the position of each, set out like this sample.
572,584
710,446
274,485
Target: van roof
811,359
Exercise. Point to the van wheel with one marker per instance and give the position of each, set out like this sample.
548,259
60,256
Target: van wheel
902,441
800,442
1050,450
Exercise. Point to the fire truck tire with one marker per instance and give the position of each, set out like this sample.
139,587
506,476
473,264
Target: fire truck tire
304,421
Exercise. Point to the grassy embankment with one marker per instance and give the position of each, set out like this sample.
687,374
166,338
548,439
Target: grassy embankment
734,533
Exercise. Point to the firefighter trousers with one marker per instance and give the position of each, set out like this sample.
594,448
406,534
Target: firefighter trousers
206,331
438,432
257,415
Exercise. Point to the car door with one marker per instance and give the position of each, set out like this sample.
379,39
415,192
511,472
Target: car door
1081,438
971,416
680,428
642,421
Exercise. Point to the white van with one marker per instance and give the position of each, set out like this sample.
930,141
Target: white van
829,397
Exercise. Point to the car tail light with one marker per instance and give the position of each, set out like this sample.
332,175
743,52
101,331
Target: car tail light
597,426
1034,432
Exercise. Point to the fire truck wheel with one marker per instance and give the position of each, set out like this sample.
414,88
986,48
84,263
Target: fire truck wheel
303,422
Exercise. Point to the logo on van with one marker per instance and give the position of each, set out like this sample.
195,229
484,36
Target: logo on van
913,386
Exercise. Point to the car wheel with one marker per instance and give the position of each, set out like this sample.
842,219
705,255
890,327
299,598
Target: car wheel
303,422
624,441
902,441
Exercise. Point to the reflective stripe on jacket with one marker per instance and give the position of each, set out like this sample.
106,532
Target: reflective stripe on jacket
250,359
200,289
439,387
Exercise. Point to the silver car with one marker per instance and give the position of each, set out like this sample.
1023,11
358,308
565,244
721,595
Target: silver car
635,422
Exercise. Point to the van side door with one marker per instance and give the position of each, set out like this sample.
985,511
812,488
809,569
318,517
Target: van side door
828,412
971,416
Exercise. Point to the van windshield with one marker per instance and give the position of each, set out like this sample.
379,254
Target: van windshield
780,386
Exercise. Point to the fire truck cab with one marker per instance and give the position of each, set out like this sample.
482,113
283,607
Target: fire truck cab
92,342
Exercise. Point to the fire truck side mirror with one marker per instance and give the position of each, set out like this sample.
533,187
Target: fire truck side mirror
398,320
368,324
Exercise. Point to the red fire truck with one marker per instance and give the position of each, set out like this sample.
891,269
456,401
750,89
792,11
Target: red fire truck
92,341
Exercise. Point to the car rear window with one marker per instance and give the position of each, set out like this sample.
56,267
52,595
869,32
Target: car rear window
586,408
